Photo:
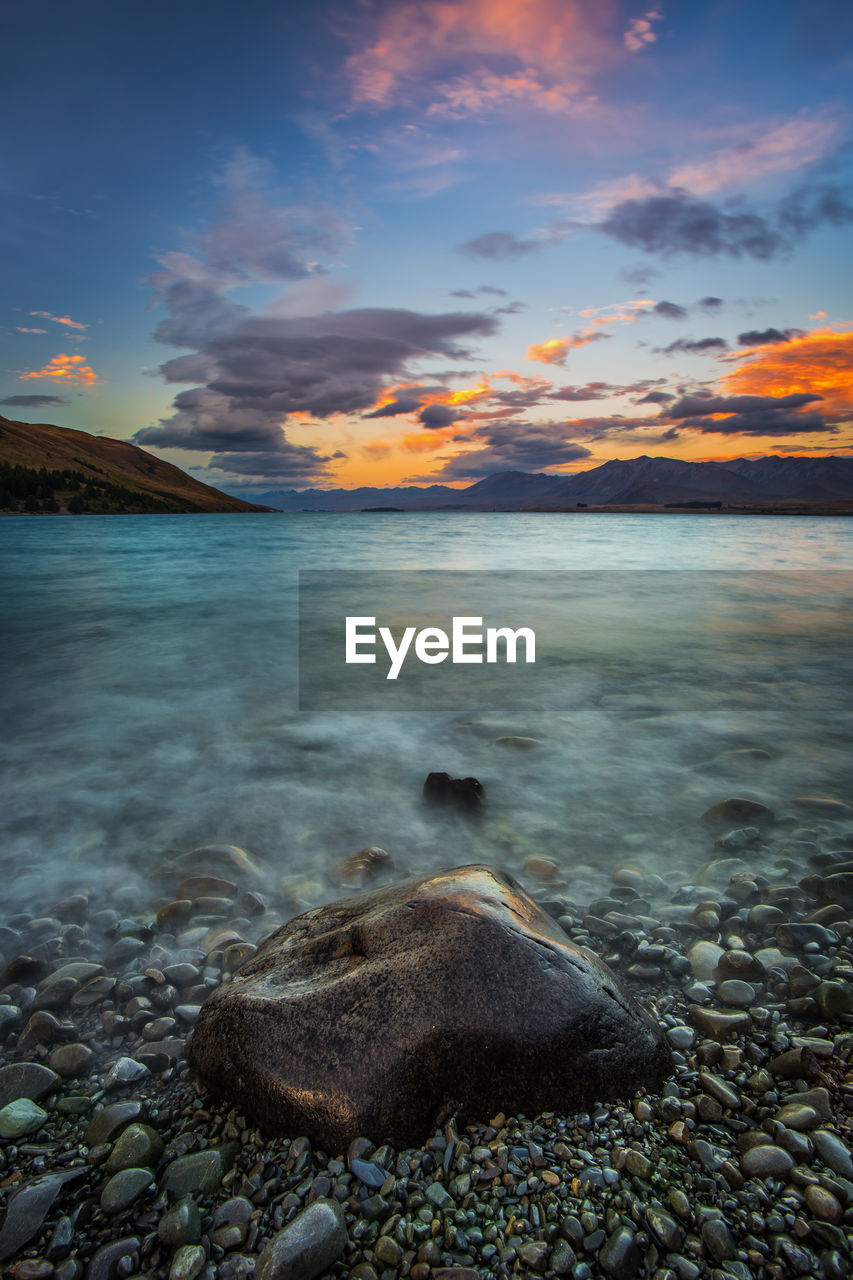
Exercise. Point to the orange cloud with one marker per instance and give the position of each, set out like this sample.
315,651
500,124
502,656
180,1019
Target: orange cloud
820,362
556,44
66,320
64,368
640,32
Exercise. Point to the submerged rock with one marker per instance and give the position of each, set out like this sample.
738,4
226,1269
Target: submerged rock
467,794
384,1013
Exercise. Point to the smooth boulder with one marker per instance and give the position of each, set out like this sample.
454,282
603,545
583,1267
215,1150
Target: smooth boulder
385,1013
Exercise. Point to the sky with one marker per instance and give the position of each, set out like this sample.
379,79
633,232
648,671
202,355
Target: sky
382,242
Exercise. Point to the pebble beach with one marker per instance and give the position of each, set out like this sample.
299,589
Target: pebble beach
114,1164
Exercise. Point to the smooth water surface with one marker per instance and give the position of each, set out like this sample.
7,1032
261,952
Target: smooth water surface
150,694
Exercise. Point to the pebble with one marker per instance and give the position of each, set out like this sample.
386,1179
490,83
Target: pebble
137,1146
21,1117
735,1169
833,1152
26,1080
181,1224
71,1059
766,1161
123,1188
307,1246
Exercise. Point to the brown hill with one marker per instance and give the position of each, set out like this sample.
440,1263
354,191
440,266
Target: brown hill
118,469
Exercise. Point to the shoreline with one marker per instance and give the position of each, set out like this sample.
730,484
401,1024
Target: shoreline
739,1167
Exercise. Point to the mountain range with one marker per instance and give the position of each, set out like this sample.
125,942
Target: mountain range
640,481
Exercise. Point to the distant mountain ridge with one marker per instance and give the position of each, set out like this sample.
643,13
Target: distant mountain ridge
628,482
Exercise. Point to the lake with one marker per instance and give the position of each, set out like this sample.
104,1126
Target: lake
152,702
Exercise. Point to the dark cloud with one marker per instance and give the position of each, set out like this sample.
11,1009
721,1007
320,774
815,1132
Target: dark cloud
483,288
689,405
656,397
435,416
680,223
768,422
669,311
515,446
403,404
677,222
499,245
764,337
748,415
710,303
33,402
257,370
592,391
814,205
700,347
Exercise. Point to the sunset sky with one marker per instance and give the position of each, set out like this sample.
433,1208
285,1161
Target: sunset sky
377,242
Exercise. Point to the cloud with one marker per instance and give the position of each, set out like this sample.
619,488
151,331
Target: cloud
782,148
679,223
640,33
819,362
436,416
66,320
259,370
700,347
483,288
555,350
255,370
669,310
469,56
503,246
592,391
765,337
813,205
769,422
656,397
21,329
749,415
710,303
64,368
514,446
688,406
33,402
675,221
259,236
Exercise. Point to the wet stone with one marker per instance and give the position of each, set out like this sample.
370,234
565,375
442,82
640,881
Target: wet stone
106,1259
199,1173
796,1115
110,1120
26,1080
137,1146
620,1255
181,1224
307,1246
719,1024
416,983
766,1161
123,1188
71,1059
735,992
833,1152
21,1117
823,1204
187,1262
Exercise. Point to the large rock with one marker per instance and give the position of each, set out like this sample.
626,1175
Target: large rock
383,1014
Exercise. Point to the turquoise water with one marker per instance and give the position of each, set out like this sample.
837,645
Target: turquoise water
150,693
